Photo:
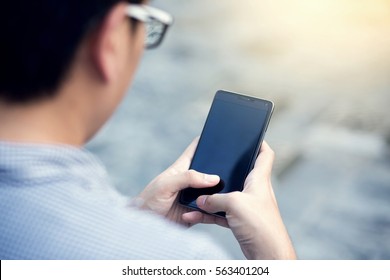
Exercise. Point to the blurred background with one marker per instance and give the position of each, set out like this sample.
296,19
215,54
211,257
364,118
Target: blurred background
325,64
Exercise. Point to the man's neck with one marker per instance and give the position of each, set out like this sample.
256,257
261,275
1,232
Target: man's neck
49,121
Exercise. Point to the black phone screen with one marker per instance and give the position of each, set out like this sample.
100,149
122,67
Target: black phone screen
229,142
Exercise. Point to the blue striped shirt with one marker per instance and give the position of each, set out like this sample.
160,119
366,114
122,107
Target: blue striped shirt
56,202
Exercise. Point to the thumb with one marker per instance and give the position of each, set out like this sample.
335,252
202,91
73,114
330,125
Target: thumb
189,178
213,203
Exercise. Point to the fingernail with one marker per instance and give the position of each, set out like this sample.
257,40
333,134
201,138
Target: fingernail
203,201
211,178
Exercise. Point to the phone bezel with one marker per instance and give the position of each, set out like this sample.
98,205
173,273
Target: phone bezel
241,99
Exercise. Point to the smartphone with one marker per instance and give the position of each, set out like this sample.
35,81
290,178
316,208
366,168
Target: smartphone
229,143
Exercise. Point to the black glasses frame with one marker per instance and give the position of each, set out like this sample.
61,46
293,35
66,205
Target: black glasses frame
156,21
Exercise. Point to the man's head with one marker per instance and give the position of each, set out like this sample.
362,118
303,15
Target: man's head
70,54
39,42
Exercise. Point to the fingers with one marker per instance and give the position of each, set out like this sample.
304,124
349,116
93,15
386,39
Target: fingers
193,217
264,162
189,178
261,173
197,217
213,203
184,161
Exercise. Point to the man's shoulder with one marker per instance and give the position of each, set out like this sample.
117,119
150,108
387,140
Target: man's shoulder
163,239
57,203
56,224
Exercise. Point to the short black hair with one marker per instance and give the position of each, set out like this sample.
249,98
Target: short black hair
39,39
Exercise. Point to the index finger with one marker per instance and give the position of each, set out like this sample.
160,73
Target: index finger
261,172
184,161
264,161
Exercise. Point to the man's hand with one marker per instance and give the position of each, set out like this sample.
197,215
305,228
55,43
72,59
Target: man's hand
252,215
161,195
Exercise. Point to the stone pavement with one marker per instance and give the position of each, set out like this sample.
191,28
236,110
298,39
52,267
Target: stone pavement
330,82
335,199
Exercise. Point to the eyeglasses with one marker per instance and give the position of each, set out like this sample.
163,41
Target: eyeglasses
156,22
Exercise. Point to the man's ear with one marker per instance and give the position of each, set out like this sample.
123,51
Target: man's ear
106,43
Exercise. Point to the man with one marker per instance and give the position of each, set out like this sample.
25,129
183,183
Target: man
65,66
